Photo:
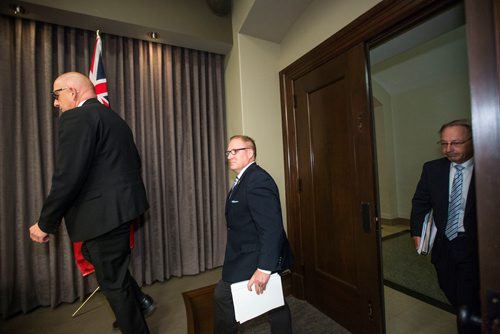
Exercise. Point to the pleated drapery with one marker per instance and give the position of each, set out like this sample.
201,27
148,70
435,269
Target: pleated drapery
173,100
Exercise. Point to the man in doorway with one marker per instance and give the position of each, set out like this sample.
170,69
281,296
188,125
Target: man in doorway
256,242
97,187
447,187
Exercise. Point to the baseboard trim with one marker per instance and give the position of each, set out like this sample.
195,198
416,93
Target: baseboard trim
395,221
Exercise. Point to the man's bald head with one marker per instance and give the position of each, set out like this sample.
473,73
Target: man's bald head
70,89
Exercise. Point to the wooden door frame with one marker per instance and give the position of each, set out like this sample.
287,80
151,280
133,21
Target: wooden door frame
374,26
483,37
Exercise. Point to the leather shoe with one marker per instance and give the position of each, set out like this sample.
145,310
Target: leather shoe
147,305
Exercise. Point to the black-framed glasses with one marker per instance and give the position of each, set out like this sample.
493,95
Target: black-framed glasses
236,150
55,93
454,143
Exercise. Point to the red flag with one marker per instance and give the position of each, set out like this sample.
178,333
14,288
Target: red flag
86,268
98,78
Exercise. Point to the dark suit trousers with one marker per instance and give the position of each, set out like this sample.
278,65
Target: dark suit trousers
225,321
110,255
458,275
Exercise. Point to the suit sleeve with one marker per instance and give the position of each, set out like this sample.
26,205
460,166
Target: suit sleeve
265,210
421,203
76,148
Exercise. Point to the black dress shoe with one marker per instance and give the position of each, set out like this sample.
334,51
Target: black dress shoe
147,305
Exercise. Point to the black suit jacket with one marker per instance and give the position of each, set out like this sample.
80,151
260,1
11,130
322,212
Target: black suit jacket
97,183
255,234
432,193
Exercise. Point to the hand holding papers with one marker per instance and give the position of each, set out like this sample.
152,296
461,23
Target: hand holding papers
248,305
428,235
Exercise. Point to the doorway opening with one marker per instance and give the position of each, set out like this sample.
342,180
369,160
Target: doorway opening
419,81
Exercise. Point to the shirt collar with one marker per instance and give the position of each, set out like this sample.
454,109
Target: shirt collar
467,164
244,169
81,103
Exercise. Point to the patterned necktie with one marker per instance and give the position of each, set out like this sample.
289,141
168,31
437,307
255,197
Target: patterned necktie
455,204
233,186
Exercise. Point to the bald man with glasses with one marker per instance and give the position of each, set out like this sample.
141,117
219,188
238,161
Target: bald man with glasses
97,188
447,187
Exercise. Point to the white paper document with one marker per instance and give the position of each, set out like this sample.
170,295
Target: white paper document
248,305
429,231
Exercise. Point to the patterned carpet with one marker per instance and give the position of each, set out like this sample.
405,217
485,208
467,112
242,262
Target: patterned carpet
306,319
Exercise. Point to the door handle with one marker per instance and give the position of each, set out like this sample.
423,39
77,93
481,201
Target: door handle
365,215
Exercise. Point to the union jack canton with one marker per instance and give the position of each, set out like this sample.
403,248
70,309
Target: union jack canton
97,74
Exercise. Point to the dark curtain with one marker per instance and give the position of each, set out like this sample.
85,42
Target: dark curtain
173,100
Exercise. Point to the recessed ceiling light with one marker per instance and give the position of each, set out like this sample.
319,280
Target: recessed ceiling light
154,35
18,10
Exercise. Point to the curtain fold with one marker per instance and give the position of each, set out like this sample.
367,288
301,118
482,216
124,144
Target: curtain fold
173,100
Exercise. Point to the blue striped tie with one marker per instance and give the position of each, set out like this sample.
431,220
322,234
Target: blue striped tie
455,204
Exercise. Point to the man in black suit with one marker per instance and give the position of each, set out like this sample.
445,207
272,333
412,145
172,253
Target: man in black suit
256,241
97,187
447,187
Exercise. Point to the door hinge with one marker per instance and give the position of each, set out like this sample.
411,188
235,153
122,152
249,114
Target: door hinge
294,101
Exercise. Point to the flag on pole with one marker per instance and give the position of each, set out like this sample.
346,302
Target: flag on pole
98,78
97,74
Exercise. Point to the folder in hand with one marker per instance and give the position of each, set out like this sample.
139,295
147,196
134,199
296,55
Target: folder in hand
248,304
428,235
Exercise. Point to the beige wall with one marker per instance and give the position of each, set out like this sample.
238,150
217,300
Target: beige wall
252,81
417,117
408,121
384,130
322,19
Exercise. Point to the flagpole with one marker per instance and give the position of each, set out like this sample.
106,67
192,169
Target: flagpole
85,302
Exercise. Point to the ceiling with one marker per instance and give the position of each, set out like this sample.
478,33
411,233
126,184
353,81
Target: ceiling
270,20
434,50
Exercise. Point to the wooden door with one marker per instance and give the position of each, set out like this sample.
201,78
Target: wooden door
335,163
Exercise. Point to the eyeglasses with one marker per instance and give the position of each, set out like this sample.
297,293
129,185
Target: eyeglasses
234,151
452,143
55,93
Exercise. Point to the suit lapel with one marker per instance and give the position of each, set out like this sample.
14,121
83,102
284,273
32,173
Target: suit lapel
443,183
240,185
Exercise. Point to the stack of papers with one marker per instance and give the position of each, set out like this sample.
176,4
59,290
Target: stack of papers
248,304
428,235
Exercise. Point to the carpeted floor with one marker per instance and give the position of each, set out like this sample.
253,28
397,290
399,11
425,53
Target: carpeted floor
306,319
410,273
